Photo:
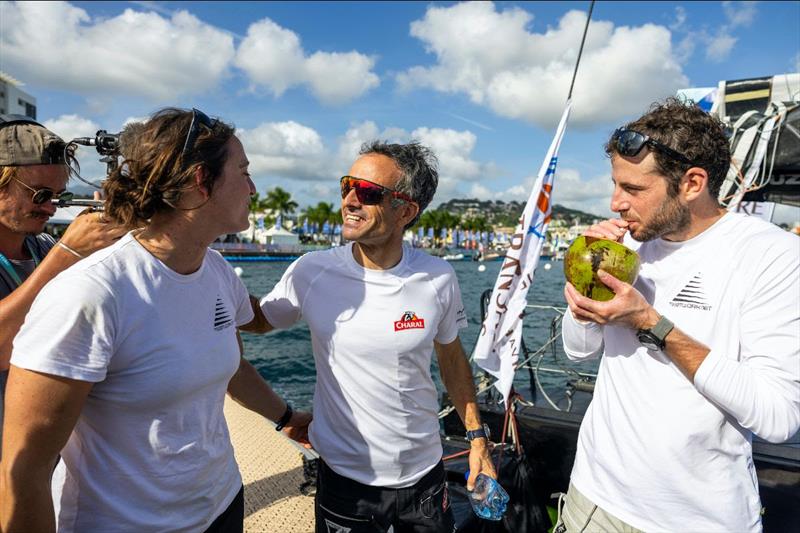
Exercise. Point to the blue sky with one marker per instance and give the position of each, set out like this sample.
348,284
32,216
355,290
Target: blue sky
306,83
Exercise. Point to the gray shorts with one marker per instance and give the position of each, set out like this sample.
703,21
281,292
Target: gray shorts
579,514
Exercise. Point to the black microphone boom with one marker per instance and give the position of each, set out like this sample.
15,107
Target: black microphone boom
106,143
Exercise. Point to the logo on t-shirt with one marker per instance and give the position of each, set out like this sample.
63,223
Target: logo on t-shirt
410,320
692,296
222,318
333,527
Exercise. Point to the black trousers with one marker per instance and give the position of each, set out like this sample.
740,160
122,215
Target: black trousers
344,505
232,519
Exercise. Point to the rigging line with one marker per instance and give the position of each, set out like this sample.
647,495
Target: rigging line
580,50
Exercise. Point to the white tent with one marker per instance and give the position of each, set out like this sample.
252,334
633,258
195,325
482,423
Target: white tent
65,215
281,236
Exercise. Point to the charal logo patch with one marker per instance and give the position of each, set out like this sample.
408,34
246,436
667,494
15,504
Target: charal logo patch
692,296
222,318
410,320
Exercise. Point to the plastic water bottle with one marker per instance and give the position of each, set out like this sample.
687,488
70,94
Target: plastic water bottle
488,498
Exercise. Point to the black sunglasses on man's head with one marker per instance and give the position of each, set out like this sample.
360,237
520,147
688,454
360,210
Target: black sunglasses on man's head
629,143
198,119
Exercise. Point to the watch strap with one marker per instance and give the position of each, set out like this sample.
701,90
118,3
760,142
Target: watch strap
480,433
284,419
662,328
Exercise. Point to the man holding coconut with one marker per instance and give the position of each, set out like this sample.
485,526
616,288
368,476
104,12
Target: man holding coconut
699,354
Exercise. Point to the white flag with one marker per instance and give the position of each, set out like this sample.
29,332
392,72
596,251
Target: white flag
498,346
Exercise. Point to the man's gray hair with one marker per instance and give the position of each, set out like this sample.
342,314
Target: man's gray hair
418,168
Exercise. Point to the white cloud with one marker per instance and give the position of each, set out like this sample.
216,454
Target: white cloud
454,151
350,143
719,47
135,53
570,190
493,58
285,149
296,157
69,127
273,57
739,13
685,49
680,19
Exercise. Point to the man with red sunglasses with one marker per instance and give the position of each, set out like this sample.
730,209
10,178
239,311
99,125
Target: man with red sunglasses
377,310
34,172
698,355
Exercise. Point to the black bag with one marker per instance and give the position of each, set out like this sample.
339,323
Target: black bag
526,512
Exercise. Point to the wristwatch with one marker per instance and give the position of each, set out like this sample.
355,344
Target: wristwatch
480,433
287,415
654,338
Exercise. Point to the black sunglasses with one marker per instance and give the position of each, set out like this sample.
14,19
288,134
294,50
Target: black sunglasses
368,192
198,119
42,196
629,143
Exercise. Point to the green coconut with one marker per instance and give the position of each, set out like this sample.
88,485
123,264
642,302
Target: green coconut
587,255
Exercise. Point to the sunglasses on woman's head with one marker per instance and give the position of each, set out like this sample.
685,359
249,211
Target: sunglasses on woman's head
198,119
42,196
367,192
629,143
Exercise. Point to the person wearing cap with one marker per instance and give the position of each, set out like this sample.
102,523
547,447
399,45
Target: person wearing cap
33,173
699,354
378,310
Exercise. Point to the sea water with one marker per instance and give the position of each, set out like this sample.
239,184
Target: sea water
285,360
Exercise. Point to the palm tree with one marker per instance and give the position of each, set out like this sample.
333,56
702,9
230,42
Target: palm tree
323,212
280,202
257,205
477,224
438,219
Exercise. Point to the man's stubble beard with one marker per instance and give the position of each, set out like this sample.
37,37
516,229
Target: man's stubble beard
672,216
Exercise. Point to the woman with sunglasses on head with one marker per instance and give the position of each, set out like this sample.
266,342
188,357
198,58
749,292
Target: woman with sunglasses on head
124,361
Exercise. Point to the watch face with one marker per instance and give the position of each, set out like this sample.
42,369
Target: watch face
650,341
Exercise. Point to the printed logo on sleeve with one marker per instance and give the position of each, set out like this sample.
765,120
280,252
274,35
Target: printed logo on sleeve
410,320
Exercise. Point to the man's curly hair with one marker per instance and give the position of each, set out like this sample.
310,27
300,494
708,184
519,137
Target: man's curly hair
690,131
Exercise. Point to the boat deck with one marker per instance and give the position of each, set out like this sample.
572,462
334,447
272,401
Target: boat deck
272,472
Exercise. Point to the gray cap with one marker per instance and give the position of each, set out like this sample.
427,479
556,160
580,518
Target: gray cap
23,141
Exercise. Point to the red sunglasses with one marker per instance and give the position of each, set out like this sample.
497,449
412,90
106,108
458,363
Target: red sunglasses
369,193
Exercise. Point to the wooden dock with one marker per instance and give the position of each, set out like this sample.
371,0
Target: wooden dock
272,472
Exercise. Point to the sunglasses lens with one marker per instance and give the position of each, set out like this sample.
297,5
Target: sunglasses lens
346,185
369,194
41,196
630,142
366,192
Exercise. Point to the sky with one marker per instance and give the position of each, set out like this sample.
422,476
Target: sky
483,84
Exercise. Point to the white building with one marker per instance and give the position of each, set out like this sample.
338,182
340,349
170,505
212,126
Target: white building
13,100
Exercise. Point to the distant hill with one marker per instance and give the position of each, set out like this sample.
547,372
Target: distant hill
500,213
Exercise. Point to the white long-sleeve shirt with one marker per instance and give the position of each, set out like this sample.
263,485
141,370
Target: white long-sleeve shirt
663,453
